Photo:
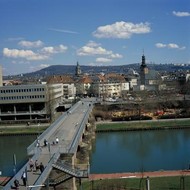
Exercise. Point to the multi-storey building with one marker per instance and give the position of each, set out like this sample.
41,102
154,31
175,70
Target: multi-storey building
29,102
69,88
112,85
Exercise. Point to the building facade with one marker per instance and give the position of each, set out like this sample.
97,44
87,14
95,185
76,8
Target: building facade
29,102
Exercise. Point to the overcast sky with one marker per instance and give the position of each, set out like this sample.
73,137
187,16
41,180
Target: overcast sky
38,33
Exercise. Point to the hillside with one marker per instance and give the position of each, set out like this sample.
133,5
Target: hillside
70,69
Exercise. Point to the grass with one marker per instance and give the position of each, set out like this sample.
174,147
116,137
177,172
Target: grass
156,183
22,130
142,124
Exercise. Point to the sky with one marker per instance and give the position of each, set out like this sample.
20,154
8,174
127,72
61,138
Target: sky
35,34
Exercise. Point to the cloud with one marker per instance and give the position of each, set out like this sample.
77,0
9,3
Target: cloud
40,54
170,46
63,31
173,46
160,45
94,49
52,50
87,50
122,30
104,60
114,56
29,44
181,14
26,54
44,65
93,44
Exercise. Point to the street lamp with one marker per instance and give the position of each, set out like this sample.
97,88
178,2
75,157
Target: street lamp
14,163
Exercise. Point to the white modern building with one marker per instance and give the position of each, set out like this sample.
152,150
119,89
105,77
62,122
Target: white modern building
29,102
69,91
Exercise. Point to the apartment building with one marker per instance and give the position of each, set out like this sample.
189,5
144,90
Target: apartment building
69,89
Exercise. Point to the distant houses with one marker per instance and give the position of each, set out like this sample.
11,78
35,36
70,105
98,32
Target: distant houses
108,85
38,100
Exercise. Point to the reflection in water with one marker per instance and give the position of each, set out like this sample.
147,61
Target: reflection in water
10,145
141,151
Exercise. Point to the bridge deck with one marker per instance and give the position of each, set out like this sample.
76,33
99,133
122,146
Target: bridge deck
69,131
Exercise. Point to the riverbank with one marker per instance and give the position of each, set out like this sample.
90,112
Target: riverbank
157,180
33,129
103,126
140,174
110,126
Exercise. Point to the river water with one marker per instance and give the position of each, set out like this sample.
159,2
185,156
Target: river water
13,145
139,151
115,151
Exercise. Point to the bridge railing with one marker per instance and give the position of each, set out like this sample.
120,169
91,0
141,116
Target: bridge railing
47,133
20,172
72,170
75,142
41,179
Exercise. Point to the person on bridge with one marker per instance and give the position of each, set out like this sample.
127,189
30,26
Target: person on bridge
37,165
38,143
57,140
31,164
16,184
41,167
45,142
24,178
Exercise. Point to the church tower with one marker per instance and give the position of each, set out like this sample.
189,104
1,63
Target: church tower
143,70
78,70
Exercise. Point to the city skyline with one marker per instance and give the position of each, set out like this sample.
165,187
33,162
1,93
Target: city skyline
36,34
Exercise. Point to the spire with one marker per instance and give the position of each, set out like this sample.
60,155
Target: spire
78,69
143,63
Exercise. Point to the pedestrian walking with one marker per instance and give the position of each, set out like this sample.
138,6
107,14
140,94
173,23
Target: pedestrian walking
41,167
57,140
38,143
37,165
16,183
24,178
45,142
31,164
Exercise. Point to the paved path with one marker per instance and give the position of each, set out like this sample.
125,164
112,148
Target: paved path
139,175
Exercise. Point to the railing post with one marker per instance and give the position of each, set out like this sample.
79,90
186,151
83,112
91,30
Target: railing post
147,183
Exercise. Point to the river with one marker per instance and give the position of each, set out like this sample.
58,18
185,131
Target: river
13,145
116,151
140,151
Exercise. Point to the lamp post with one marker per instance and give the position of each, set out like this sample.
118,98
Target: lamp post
38,129
49,150
14,163
147,183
